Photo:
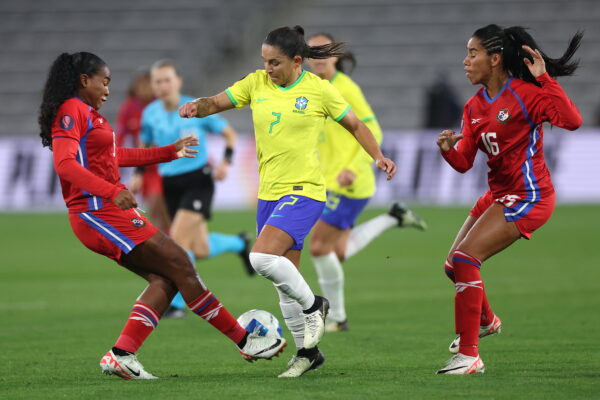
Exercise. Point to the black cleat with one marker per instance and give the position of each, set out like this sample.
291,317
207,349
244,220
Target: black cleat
245,253
406,217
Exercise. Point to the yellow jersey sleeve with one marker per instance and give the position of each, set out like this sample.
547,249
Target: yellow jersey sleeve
334,104
240,93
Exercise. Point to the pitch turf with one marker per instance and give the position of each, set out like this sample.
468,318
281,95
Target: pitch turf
62,308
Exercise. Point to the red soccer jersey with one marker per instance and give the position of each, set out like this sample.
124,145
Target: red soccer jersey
87,159
508,128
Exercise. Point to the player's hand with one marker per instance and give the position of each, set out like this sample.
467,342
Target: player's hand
346,178
183,147
188,110
538,67
136,182
220,172
387,166
447,139
125,200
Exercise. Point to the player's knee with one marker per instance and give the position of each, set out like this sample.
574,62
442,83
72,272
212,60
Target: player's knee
264,264
165,284
319,248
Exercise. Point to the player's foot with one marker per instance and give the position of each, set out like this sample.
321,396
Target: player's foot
126,367
491,329
265,347
334,326
460,364
245,253
406,217
314,322
299,364
173,313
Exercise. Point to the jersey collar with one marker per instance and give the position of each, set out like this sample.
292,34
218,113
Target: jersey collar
487,97
297,81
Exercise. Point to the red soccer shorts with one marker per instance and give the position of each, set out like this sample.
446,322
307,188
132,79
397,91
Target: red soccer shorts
111,231
528,216
152,185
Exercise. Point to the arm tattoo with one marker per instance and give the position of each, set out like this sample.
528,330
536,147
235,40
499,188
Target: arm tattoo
203,105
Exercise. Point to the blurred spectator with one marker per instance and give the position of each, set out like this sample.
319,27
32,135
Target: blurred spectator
442,109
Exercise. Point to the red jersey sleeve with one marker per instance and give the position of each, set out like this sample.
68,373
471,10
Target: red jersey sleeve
461,157
551,104
70,124
129,157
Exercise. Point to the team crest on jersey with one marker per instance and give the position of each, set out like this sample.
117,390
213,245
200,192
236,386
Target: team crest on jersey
503,115
301,103
66,122
138,222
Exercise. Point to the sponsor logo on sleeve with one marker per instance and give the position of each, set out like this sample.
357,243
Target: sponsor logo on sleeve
66,122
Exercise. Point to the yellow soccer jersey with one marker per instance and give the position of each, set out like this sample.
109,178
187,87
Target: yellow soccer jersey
338,150
287,124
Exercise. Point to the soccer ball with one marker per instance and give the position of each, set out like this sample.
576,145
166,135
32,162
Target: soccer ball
261,323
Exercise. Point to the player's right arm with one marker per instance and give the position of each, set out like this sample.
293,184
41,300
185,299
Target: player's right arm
461,157
205,106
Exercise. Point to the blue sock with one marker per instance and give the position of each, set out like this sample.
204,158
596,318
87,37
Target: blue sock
178,302
220,243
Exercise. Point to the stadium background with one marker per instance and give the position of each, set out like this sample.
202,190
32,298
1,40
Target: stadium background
61,305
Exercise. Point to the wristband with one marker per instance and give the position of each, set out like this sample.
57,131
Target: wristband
228,156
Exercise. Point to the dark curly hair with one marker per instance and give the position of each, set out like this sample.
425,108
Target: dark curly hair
62,84
508,42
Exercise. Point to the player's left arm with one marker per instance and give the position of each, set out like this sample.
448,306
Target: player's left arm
553,105
205,106
365,137
132,157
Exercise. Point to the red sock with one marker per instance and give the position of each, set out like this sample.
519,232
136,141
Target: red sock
142,321
467,302
211,310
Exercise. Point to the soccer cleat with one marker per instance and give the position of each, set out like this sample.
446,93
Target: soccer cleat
127,367
265,347
297,366
406,217
460,364
174,313
245,253
491,329
334,326
314,324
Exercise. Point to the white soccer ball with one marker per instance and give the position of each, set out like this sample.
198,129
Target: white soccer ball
260,322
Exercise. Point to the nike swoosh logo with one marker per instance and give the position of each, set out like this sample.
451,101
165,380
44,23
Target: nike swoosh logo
451,369
272,347
132,371
277,215
261,100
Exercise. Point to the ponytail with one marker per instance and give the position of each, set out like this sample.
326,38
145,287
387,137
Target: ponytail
509,42
346,57
62,84
291,43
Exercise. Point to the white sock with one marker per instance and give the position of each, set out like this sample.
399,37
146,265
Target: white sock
285,276
363,234
331,278
293,317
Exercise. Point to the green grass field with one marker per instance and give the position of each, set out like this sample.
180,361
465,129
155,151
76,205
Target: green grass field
62,307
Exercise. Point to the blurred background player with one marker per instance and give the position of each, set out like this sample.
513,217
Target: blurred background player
350,182
504,120
129,118
289,106
103,214
189,183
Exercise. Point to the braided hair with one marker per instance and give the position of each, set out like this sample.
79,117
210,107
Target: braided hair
62,84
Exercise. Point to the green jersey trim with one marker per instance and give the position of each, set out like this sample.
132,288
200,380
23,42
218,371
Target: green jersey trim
337,73
338,119
369,118
293,84
235,103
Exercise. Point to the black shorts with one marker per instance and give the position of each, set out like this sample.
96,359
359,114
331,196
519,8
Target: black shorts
190,191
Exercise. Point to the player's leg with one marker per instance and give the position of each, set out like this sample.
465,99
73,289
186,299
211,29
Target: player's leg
363,234
490,234
329,269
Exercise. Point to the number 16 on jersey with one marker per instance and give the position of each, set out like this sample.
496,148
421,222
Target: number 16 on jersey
488,142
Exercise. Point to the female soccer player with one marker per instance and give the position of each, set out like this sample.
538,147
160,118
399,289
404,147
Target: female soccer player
350,183
289,106
103,212
504,120
189,183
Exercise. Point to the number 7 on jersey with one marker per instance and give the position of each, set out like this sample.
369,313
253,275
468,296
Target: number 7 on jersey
278,115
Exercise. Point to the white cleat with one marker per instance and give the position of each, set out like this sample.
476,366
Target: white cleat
265,347
463,365
314,324
297,366
491,329
334,326
406,217
126,367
